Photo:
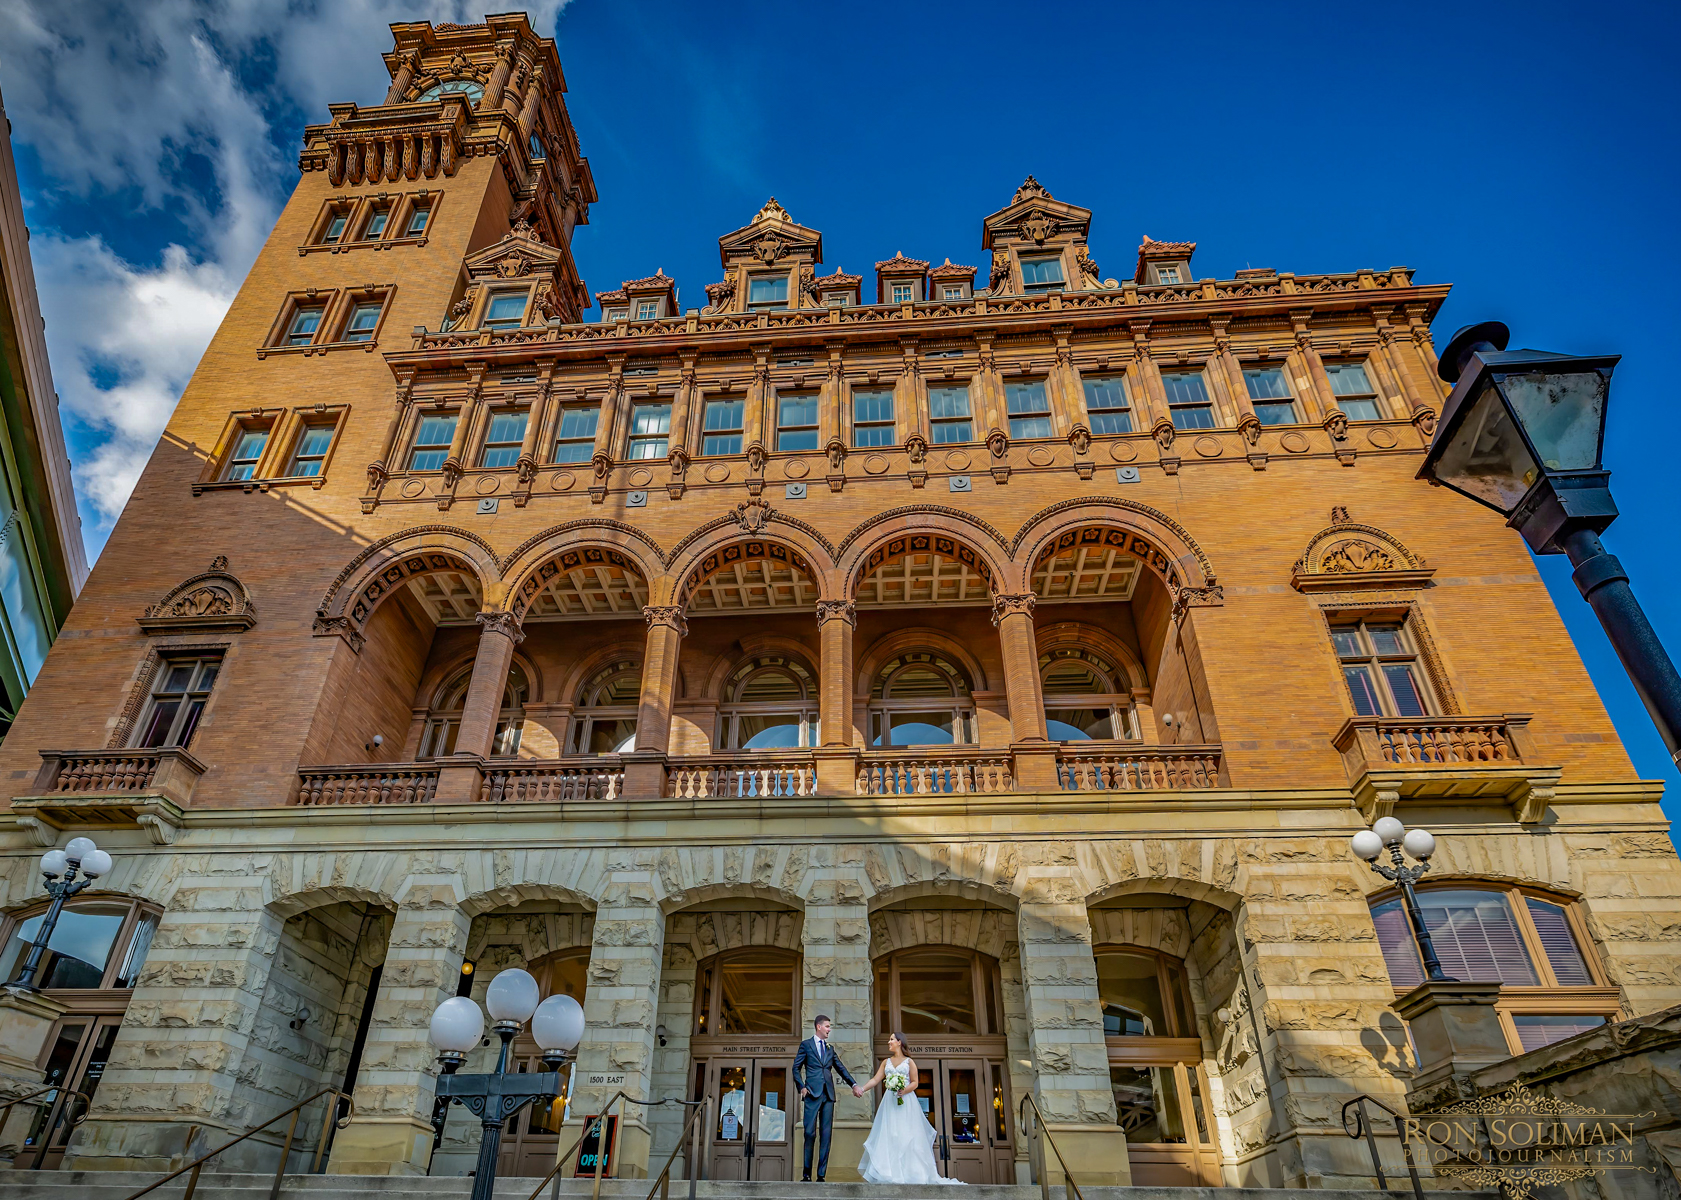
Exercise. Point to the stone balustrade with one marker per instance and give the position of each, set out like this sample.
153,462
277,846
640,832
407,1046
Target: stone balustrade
742,777
554,782
1465,758
1138,768
381,784
924,772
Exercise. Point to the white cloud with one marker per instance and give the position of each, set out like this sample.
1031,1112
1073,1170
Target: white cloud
170,106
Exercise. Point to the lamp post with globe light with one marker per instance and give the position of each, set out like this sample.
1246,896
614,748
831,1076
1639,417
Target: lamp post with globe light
60,868
1388,833
557,1024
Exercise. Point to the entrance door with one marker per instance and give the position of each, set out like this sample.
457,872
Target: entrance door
531,1138
964,1101
752,1125
1162,1109
76,1056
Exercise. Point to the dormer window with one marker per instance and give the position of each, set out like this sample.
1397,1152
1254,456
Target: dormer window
1168,274
506,310
616,314
836,299
647,310
904,293
951,293
1042,274
767,291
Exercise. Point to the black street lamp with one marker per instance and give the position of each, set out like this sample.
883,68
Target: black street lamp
1388,833
60,867
1523,433
457,1025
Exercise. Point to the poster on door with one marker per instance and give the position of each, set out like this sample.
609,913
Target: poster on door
735,1113
773,1122
591,1148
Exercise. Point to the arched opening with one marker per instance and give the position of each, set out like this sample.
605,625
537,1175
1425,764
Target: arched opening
770,703
443,717
604,721
921,698
1085,697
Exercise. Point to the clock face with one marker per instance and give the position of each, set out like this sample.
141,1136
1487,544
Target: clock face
447,87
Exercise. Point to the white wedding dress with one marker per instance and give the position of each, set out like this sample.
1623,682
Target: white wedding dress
900,1148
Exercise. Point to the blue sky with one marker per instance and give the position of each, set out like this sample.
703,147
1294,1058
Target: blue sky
1525,153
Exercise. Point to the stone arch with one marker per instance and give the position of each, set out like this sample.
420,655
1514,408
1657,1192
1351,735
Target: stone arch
511,895
705,932
1148,534
1100,641
699,894
1205,869
985,871
586,668
991,931
374,574
692,875
902,640
378,890
723,544
1164,929
437,676
1192,890
560,553
756,645
924,529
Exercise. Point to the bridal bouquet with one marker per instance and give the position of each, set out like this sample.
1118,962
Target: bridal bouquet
896,1085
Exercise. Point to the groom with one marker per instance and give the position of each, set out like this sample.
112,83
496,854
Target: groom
812,1066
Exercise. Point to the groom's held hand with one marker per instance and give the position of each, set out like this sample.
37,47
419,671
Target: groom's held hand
856,1090
804,1092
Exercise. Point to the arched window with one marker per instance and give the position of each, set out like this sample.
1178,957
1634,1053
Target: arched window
537,150
939,990
605,722
1084,699
921,699
770,703
748,991
562,973
443,721
1155,1066
96,944
1532,943
466,88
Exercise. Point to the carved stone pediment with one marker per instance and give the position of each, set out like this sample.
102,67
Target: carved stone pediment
215,600
1346,556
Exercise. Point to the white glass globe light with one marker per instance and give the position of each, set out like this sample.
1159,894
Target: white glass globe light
1420,843
1390,830
457,1025
1366,844
96,863
512,996
558,1024
54,863
78,848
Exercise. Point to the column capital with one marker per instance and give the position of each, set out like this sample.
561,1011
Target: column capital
503,622
836,610
668,615
1009,606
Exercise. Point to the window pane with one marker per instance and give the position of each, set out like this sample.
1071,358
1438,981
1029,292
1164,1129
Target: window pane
647,448
507,427
1193,417
1348,642
951,431
920,729
936,993
1025,398
724,414
315,440
1395,938
195,710
156,732
417,222
872,435
1387,639
1041,270
360,327
1266,383
721,443
798,410
1108,392
1185,387
1359,410
948,402
1104,424
578,422
1147,1104
574,452
1030,427
1404,688
1543,1029
432,442
335,228
646,310
138,947
612,737
80,946
766,731
1276,413
1476,937
872,406
507,308
1364,694
767,289
1079,724
1559,943
650,419
1348,379
756,994
796,439
376,223
1131,996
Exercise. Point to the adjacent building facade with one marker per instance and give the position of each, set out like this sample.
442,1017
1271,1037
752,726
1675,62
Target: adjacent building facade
1002,659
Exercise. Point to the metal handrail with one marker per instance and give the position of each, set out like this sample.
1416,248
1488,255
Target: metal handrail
1043,1134
87,1103
691,1130
599,1120
1363,1127
295,1111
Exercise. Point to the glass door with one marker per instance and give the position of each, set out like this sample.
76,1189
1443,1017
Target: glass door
1163,1112
531,1138
730,1122
962,1124
771,1137
76,1056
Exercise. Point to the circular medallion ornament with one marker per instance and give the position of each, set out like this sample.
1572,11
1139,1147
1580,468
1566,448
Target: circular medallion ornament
1208,447
957,461
796,469
1041,456
1295,443
717,473
484,485
641,477
875,464
1123,452
414,487
561,481
1381,438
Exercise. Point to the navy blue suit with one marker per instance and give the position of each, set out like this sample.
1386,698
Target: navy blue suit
812,1071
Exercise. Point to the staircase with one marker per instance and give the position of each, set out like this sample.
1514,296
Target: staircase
118,1185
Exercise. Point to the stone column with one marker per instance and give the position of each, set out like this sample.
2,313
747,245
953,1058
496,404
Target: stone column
835,939
645,766
986,390
500,633
620,1002
492,98
1035,754
392,1133
758,421
180,1063
1226,362
533,98
401,79
1147,393
1063,393
1311,380
1065,1031
836,755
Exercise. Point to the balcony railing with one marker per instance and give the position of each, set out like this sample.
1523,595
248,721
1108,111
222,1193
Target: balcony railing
553,782
381,784
1138,768
935,772
744,776
1468,758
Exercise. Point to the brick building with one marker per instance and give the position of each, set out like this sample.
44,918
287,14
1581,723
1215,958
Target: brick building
1005,661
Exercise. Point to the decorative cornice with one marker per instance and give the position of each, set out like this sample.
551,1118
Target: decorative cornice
212,600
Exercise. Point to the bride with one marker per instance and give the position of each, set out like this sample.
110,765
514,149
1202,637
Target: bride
900,1148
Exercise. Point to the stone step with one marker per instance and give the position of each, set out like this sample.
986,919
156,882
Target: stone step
118,1185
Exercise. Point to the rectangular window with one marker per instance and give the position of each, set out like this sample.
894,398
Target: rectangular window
616,314
1354,392
376,224
312,450
1165,275
1030,412
951,293
903,293
767,291
721,426
1187,400
872,418
647,310
334,232
1107,406
650,424
796,421
506,310
417,221
836,299
300,331
432,442
1042,274
363,318
503,440
180,690
576,441
1270,395
247,450
948,415
1380,665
